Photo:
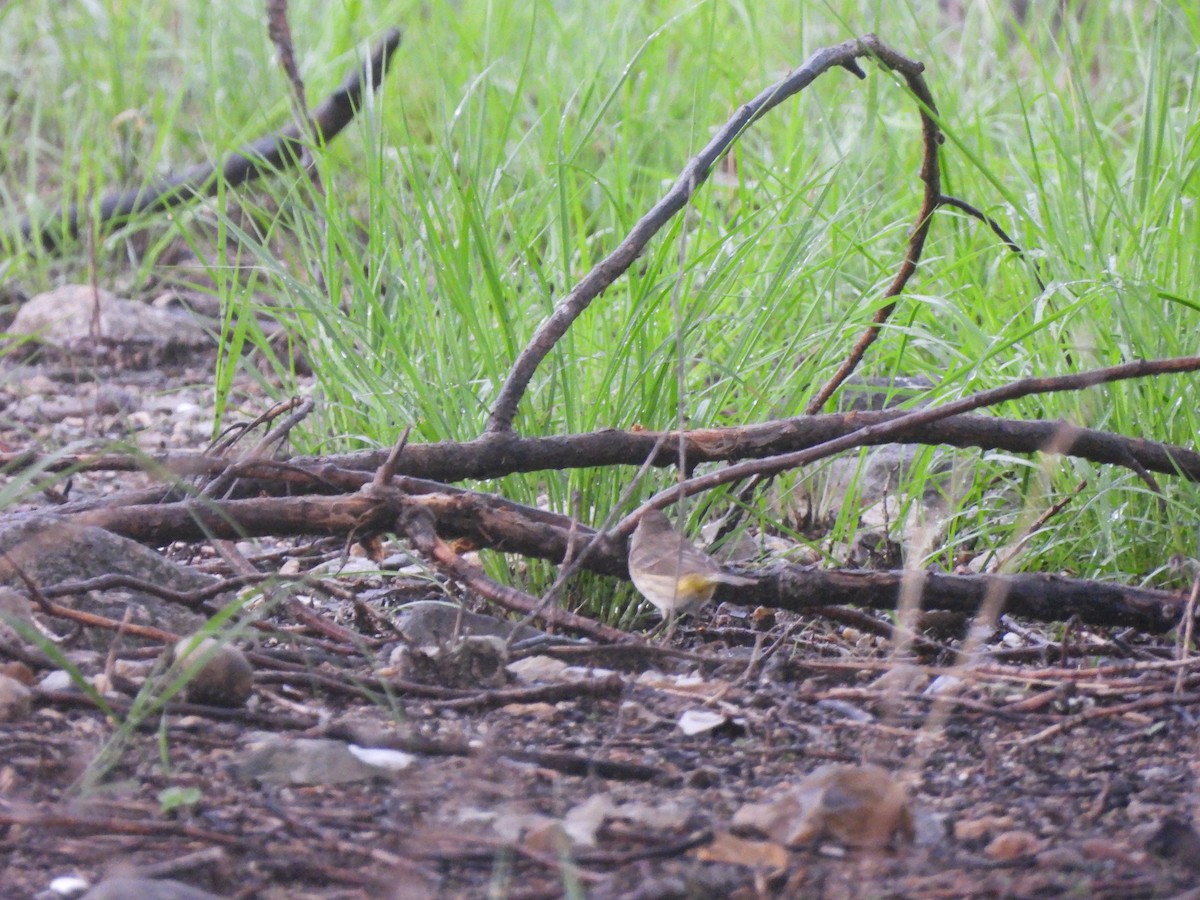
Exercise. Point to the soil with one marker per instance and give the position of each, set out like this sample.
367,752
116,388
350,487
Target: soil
1064,763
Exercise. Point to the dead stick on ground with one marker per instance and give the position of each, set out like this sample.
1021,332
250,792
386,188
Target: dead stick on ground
1184,643
1157,701
271,153
501,455
35,818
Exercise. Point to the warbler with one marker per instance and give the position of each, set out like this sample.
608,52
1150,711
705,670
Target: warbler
669,571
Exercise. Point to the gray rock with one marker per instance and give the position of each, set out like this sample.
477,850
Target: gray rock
225,679
867,480
15,699
472,662
81,319
307,761
861,393
49,551
146,889
15,610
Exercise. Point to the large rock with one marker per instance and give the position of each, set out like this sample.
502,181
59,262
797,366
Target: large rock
80,319
49,551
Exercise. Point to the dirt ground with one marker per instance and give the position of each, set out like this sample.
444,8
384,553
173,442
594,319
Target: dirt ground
1063,764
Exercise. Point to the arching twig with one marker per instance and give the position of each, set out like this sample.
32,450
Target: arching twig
608,270
910,71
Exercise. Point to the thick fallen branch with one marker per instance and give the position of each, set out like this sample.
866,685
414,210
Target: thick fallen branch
1046,598
506,526
497,524
280,150
497,455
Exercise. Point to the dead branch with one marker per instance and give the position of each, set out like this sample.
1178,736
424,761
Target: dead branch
976,213
502,525
37,817
694,174
931,137
91,620
417,522
497,455
610,687
889,430
271,153
190,599
279,30
1157,701
1035,596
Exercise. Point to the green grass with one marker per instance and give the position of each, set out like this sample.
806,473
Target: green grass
514,145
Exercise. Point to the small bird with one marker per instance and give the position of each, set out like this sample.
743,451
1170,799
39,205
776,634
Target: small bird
669,571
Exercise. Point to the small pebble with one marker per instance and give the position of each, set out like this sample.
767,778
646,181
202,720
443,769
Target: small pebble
15,700
1011,845
225,680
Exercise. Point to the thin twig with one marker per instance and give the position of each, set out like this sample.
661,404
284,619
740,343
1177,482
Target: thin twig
888,429
417,523
1034,527
387,471
975,212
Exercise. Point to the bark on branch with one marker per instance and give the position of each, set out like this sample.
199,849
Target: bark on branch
510,527
495,456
